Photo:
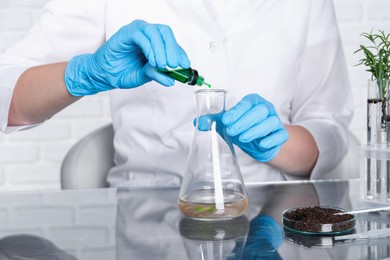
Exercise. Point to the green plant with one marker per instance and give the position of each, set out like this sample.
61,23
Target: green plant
377,57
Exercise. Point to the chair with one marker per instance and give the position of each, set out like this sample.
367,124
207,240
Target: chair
87,163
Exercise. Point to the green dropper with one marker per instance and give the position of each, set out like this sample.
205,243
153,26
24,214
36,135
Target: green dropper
189,76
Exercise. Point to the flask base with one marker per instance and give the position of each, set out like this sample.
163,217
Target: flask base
209,211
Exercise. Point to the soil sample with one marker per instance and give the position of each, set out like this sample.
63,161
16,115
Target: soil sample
318,220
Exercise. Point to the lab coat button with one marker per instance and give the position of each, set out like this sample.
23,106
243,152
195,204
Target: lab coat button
213,46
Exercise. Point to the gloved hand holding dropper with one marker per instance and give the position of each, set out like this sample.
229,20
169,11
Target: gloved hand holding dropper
128,59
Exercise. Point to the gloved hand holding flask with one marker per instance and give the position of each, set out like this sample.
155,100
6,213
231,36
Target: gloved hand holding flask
255,127
127,60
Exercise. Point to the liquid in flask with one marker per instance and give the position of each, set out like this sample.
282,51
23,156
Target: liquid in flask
212,187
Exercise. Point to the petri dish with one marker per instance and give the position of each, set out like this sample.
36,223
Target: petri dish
318,220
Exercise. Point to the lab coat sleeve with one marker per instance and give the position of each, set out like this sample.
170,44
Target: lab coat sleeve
323,103
66,28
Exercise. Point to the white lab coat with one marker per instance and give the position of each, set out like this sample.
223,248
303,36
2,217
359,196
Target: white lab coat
287,51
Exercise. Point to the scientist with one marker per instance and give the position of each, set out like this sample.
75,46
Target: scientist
289,101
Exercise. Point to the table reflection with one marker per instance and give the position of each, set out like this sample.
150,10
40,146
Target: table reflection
145,223
25,247
156,215
264,238
214,239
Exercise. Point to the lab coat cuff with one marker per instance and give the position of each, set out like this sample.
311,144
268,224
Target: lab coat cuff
9,77
331,147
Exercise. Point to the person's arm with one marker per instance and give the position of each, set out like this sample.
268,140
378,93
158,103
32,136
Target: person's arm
127,60
322,101
320,109
40,92
256,128
299,154
65,29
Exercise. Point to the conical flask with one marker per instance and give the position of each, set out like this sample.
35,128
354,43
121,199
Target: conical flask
212,187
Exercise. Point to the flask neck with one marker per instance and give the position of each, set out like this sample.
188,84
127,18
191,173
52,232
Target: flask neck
210,101
210,107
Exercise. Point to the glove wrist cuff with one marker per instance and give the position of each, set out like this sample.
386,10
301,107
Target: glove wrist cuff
266,156
77,80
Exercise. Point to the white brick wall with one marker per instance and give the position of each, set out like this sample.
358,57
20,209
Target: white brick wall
31,159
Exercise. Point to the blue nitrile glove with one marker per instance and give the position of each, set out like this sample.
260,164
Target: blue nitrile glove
206,121
127,60
255,127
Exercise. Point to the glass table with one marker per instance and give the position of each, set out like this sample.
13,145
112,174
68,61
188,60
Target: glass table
144,223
